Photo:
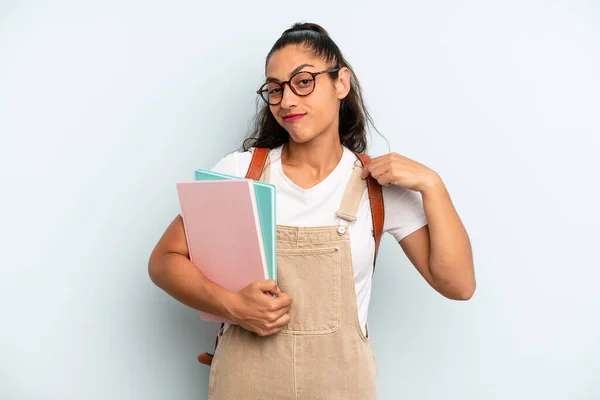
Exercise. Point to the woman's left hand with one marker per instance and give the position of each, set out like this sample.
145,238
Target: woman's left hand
394,169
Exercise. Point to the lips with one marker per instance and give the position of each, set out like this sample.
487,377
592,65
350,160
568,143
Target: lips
293,117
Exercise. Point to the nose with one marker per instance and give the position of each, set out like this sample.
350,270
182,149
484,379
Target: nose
289,99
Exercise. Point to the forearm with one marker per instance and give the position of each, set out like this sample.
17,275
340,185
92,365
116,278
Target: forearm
180,278
450,260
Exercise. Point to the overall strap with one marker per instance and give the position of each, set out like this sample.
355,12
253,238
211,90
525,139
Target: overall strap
257,169
352,194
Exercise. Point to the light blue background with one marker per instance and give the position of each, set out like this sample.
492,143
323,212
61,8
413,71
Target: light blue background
105,105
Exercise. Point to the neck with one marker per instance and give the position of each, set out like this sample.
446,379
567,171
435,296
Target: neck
320,155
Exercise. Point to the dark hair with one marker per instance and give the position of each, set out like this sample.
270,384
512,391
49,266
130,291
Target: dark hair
353,118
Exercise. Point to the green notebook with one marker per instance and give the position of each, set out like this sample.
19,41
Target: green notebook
265,203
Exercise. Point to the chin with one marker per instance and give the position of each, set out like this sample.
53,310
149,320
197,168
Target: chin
299,137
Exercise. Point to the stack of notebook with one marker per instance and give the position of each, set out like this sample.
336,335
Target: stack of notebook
230,229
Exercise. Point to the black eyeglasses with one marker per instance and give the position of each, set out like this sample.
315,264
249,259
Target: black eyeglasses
302,84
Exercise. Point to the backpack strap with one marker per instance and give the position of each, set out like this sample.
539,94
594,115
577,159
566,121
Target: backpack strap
257,164
376,201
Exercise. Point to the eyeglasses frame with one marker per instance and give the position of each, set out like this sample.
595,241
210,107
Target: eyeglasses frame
288,82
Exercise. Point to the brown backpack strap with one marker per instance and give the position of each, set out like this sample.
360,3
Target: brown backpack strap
257,164
376,201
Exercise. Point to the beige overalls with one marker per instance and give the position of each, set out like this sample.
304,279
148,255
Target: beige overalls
322,353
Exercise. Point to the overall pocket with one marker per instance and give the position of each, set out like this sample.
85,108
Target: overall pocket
312,277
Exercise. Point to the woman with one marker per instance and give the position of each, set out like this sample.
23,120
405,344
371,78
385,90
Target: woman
311,340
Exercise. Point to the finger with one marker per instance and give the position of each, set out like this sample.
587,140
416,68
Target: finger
275,291
276,315
280,323
379,160
268,285
272,328
379,170
365,171
386,179
281,301
376,164
368,168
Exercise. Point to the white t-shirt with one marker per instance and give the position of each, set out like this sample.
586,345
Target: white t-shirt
317,206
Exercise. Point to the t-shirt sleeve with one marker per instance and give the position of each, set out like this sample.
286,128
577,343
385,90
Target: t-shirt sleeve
404,213
235,164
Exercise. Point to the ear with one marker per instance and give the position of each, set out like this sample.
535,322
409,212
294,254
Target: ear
342,84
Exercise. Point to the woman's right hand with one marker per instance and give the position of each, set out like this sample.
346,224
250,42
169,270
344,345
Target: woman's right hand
256,310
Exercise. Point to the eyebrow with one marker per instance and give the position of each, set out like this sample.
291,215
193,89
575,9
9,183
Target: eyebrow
297,69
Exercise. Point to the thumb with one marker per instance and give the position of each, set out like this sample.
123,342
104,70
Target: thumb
365,172
268,285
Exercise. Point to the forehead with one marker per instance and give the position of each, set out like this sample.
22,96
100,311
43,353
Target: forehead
285,60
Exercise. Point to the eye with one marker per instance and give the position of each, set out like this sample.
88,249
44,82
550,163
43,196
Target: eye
273,91
304,82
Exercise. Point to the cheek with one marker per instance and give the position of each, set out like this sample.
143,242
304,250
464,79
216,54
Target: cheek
327,109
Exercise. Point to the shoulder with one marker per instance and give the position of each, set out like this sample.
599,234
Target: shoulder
237,163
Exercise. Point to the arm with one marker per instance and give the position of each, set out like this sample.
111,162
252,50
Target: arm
170,269
252,307
441,251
